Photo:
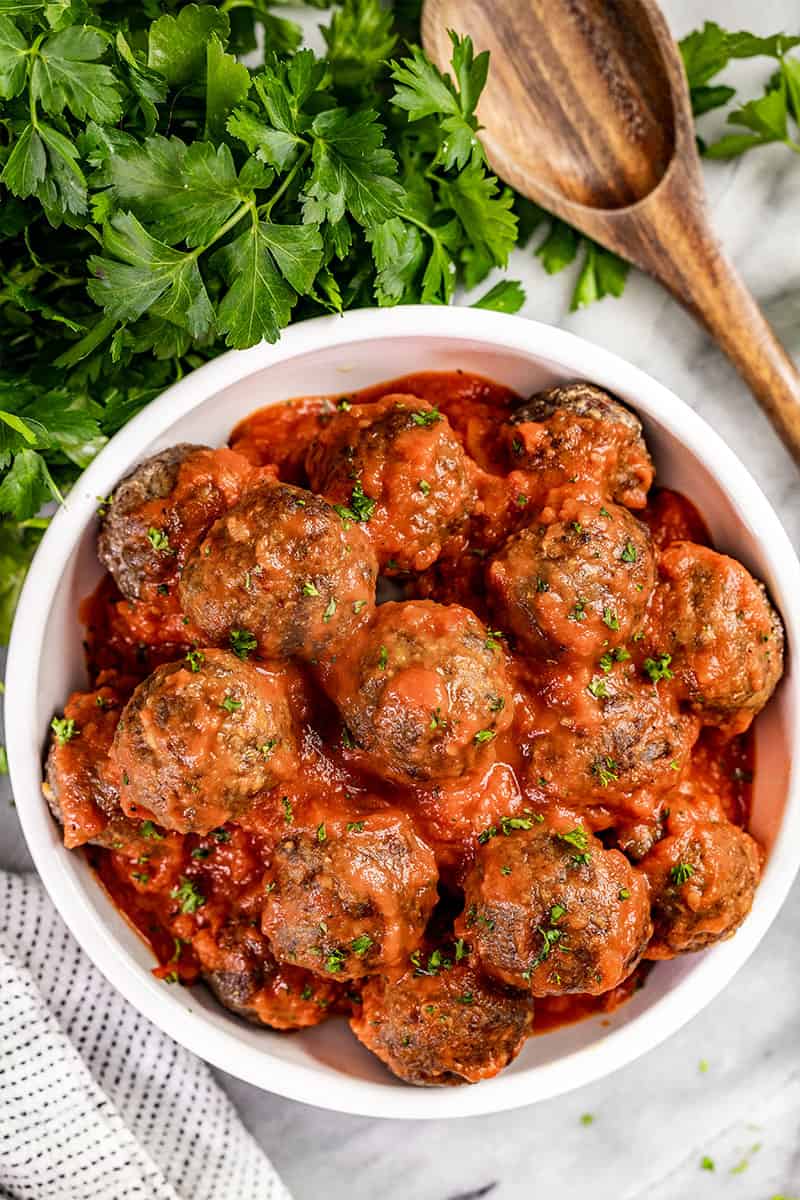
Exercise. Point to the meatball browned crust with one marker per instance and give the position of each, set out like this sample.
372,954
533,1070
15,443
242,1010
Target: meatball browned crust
286,568
629,737
577,580
200,739
350,897
152,520
425,691
725,638
702,880
398,464
243,974
442,1028
548,908
577,429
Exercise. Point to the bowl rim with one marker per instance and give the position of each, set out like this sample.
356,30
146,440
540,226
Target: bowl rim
220,1046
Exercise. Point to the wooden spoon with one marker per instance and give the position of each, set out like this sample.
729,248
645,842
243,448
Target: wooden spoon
587,113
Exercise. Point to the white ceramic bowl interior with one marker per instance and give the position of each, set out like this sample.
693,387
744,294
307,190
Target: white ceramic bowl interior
326,1066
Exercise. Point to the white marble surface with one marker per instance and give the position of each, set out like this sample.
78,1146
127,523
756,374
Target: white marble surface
654,1120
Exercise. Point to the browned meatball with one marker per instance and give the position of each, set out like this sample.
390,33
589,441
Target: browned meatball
578,580
578,430
548,908
725,638
702,879
630,736
425,691
284,568
79,786
443,1028
162,509
350,897
201,738
398,466
243,974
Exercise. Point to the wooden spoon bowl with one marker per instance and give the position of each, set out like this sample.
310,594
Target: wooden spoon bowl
587,112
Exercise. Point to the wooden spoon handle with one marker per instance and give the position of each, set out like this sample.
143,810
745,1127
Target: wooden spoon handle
722,302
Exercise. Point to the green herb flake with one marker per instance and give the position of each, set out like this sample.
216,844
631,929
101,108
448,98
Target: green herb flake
329,610
195,660
159,540
681,873
188,896
64,729
243,643
230,705
658,668
629,553
484,735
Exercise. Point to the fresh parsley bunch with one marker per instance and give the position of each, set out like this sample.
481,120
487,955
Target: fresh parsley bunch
160,201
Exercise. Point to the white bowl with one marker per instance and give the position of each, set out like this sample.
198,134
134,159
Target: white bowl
326,1066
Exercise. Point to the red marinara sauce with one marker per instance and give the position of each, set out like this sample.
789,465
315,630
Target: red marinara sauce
196,897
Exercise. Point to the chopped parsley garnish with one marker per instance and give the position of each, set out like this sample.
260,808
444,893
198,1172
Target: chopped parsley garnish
64,729
159,540
140,877
578,612
307,992
310,589
516,446
348,741
484,735
358,605
162,589
587,1119
493,639
541,584
195,660
287,809
361,945
437,962
188,896
322,835
576,525
610,618
522,500
461,949
630,553
598,688
658,668
221,835
424,487
437,720
330,610
149,831
354,826
706,1163
268,747
466,998
230,705
425,418
243,642
505,869
507,826
605,770
557,912
344,404
383,659
577,837
680,873
201,852
335,961
362,506
604,512
496,704
624,894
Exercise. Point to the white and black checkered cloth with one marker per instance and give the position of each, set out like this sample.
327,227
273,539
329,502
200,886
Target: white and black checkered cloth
95,1102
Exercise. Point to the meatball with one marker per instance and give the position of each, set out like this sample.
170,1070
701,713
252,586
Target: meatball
630,737
350,897
440,1028
201,738
548,908
79,787
579,582
284,567
162,509
702,880
578,430
243,974
397,464
725,638
425,691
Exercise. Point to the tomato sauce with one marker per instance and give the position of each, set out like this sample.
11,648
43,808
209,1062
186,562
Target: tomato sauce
125,640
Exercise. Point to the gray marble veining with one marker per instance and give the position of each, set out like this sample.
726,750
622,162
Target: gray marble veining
655,1120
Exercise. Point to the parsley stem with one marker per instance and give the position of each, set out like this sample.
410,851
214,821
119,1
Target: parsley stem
266,208
246,207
